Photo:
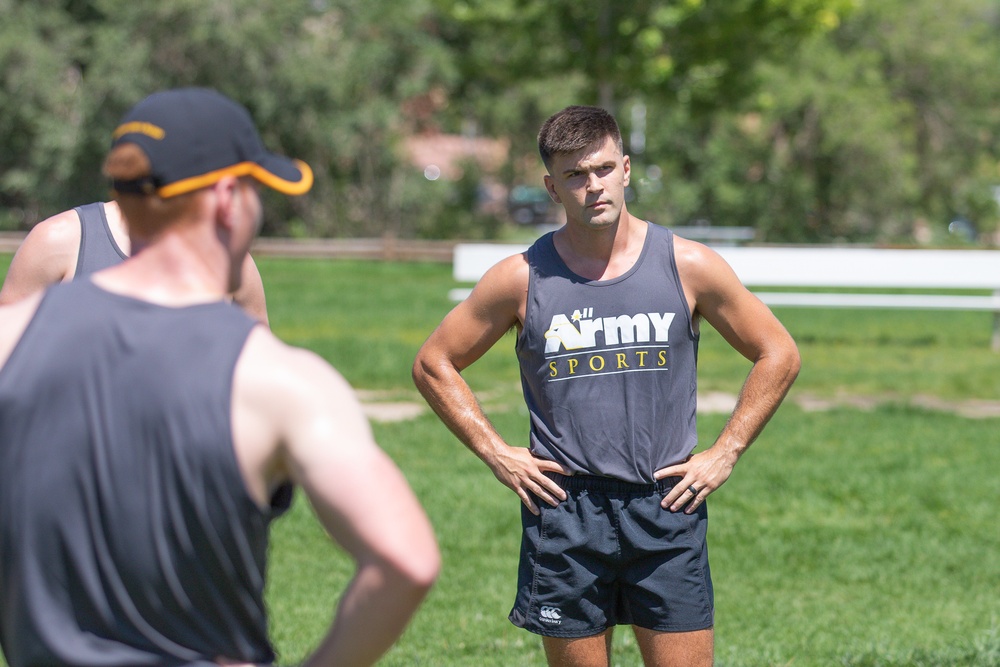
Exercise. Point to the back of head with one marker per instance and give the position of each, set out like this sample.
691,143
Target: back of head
576,128
177,142
128,163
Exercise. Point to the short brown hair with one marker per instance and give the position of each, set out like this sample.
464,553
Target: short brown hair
575,128
126,162
143,213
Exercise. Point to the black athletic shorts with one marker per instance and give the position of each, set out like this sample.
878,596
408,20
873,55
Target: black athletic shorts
610,555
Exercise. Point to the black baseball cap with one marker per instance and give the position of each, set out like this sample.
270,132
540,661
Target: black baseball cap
195,136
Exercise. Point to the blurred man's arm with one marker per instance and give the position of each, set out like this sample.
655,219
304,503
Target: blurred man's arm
297,419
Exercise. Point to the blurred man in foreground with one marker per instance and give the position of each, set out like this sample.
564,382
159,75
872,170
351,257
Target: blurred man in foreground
150,431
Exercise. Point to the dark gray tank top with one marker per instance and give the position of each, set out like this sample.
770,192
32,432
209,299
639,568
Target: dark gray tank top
98,249
127,536
608,367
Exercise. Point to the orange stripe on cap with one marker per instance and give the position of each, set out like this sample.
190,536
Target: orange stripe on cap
139,127
242,169
299,187
204,180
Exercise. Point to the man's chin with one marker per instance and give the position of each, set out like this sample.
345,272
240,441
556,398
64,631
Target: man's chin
602,220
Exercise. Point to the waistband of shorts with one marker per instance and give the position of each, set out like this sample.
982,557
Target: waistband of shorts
601,484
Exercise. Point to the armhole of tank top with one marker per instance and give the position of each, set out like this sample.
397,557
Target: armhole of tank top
83,240
688,315
280,499
107,230
528,255
531,256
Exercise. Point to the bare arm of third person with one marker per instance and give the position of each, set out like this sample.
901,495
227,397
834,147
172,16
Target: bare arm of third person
250,294
495,306
296,418
716,294
49,252
46,256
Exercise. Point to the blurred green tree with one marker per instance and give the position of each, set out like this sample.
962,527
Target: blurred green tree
811,120
880,127
668,70
326,81
40,123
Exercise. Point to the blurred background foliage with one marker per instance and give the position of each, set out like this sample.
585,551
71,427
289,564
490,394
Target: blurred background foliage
808,120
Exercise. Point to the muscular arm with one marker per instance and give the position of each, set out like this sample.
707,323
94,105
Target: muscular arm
717,295
47,256
295,418
466,333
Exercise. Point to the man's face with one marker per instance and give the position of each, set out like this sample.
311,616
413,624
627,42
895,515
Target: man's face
590,184
251,200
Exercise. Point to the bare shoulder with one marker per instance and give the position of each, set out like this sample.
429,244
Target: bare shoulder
503,288
290,395
702,269
59,233
496,305
47,255
692,255
284,373
509,274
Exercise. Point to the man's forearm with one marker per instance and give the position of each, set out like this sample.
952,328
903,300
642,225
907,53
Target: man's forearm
763,391
372,614
453,401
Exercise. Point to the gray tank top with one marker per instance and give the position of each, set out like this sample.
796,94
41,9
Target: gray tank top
127,536
608,367
98,249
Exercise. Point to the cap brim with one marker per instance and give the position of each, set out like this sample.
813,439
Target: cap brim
287,176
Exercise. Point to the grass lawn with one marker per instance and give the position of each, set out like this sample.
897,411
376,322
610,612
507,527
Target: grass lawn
844,538
864,535
857,536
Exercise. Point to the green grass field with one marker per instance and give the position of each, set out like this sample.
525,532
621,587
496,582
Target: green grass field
863,534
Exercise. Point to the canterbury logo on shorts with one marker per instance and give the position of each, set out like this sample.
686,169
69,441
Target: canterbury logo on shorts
552,615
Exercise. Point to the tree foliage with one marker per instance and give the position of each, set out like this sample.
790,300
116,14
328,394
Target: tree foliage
325,82
873,131
811,120
699,50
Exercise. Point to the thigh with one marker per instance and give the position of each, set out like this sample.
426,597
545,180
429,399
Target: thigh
565,587
667,585
676,649
592,651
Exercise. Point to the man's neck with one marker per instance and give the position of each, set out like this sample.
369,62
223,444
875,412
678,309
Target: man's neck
605,253
173,269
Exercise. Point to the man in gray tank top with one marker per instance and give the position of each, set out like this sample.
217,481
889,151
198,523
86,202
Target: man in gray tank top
150,431
607,311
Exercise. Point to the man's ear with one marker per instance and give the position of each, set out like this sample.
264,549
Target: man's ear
225,200
550,187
